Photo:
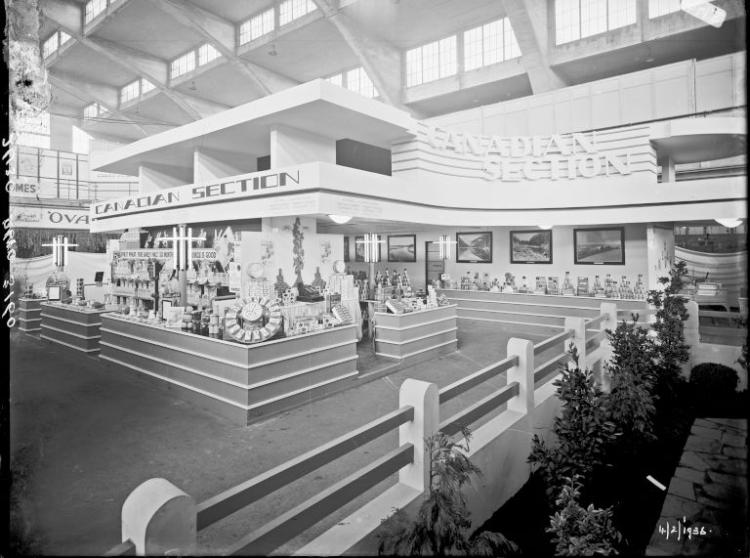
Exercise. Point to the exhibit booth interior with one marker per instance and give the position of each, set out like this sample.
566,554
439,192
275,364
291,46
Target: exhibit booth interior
286,248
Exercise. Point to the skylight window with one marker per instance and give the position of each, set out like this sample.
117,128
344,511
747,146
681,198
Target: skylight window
358,81
206,54
658,8
576,19
91,111
489,44
289,10
130,91
50,46
146,86
182,65
257,26
431,61
93,8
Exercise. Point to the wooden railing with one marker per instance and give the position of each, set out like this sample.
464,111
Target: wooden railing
419,408
237,497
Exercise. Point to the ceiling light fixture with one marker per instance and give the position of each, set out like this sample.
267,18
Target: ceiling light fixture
729,223
272,50
340,219
192,86
545,227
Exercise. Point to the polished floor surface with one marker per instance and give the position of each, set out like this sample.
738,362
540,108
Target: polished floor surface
84,434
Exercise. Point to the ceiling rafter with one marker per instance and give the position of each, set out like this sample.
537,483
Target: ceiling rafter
380,59
528,18
154,69
106,96
220,33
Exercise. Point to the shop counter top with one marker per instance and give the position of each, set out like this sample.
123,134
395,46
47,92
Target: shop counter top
242,382
416,336
77,327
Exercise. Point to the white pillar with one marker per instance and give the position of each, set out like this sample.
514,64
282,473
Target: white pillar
523,373
158,517
692,335
423,396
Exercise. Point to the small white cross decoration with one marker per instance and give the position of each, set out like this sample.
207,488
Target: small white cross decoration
182,246
60,247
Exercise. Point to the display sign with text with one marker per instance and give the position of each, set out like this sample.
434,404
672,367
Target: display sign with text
37,217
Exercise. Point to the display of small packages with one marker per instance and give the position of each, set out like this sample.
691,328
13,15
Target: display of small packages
252,320
397,306
342,314
541,285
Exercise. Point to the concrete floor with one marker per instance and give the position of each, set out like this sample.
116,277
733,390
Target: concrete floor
85,434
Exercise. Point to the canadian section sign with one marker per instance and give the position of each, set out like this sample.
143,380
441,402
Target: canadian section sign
40,217
235,187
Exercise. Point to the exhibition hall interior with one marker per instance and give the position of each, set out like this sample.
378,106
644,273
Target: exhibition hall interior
323,277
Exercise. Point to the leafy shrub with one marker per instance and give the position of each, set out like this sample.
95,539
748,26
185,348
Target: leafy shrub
443,519
711,379
630,403
582,429
579,531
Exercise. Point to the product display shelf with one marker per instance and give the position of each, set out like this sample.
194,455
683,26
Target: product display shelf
538,310
77,327
416,336
240,382
29,314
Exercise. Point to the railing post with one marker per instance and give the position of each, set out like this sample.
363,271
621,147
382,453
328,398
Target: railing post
158,517
578,325
692,335
610,322
523,373
423,396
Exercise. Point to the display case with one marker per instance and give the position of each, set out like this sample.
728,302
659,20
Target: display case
416,336
77,327
242,382
29,314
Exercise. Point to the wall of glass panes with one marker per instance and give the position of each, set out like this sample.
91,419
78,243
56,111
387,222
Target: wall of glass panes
490,43
182,65
576,19
93,8
289,10
432,61
130,91
257,26
355,80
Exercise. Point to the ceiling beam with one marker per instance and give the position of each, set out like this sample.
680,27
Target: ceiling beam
153,69
380,59
220,33
528,18
107,97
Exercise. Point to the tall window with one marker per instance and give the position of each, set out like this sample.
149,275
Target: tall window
50,45
146,86
257,26
337,79
358,81
289,10
33,131
93,8
658,8
206,54
80,141
91,111
576,19
130,91
182,65
431,61
490,43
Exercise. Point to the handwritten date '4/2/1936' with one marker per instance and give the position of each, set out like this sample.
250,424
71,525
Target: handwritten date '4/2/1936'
680,530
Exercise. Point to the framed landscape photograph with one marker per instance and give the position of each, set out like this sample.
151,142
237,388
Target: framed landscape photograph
402,248
531,247
359,249
474,247
603,246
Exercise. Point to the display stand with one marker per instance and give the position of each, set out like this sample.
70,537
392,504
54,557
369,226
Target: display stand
416,336
77,327
241,382
29,314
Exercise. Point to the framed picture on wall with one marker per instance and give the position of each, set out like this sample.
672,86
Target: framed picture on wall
531,247
359,249
346,248
402,248
601,246
474,247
